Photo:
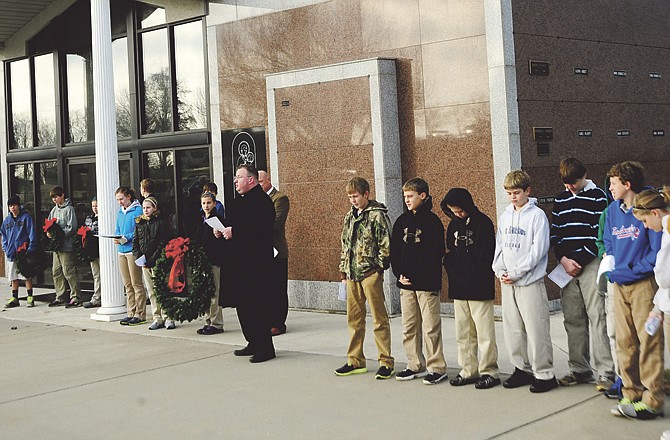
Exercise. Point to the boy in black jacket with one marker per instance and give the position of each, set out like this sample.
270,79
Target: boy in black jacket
470,248
417,248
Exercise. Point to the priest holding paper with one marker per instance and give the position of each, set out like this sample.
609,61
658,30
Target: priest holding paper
574,230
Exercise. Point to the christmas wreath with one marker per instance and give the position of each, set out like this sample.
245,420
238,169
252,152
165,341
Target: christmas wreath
55,243
182,263
86,247
27,264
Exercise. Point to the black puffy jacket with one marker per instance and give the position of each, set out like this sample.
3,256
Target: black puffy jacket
151,236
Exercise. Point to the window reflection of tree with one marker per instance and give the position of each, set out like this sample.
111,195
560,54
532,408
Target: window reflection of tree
23,131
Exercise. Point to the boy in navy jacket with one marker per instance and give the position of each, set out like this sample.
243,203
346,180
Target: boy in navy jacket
17,229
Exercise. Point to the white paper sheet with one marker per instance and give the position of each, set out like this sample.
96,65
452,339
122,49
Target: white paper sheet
215,223
606,265
560,276
141,261
342,294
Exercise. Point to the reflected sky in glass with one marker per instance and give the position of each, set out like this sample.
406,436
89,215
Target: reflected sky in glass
21,104
79,95
45,94
157,91
190,70
121,87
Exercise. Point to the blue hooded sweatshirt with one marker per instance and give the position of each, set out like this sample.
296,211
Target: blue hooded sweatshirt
16,231
633,246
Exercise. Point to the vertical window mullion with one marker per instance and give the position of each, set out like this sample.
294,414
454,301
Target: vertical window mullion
173,78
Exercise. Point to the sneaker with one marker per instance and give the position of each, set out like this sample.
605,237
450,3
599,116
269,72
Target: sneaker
125,320
518,379
384,372
57,303
74,302
14,302
348,370
604,382
435,378
136,321
31,302
170,324
574,378
91,304
460,381
614,392
637,410
543,385
408,374
485,382
209,330
156,325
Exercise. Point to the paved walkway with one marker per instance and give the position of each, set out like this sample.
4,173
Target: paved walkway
65,376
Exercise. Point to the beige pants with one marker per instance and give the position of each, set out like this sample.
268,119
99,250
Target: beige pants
214,316
640,355
476,331
156,311
526,328
64,267
370,289
136,294
422,325
97,291
611,328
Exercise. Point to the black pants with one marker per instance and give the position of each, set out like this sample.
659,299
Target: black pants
278,295
252,311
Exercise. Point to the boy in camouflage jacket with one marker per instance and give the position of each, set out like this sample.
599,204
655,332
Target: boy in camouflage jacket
366,243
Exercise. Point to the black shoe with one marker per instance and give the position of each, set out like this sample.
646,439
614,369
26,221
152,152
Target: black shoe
348,369
543,385
125,320
136,321
435,378
209,330
91,304
57,303
384,372
460,381
518,379
246,351
14,302
74,302
262,357
485,382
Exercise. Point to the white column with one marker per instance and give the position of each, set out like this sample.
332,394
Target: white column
503,94
106,161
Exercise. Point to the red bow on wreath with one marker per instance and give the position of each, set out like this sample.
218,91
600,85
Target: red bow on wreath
22,248
83,231
48,224
176,248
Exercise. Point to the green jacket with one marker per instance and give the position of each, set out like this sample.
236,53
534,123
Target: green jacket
366,241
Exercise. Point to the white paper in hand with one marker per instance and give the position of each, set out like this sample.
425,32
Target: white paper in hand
215,223
560,276
606,265
342,294
141,261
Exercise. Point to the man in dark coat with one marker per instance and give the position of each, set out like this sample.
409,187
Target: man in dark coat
249,264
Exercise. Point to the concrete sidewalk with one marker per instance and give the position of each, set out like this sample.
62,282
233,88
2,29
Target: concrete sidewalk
66,376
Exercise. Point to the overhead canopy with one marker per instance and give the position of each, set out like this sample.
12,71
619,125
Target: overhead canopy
14,14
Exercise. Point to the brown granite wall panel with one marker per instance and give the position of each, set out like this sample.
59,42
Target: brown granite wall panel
314,170
450,19
334,31
643,22
389,24
455,72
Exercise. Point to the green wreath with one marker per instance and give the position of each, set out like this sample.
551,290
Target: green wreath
55,243
200,284
28,264
87,254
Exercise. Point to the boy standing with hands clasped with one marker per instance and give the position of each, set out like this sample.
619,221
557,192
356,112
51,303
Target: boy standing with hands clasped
365,255
520,262
417,248
17,229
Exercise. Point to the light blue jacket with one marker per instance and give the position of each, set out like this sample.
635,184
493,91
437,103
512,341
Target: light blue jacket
125,225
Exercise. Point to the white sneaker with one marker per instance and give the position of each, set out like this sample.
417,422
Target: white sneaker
170,324
156,325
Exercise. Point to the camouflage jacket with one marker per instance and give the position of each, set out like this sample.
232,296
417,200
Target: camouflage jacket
366,241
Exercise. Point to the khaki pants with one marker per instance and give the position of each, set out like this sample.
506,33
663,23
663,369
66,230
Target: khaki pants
370,288
64,267
136,294
422,324
156,311
475,331
640,355
584,316
214,316
526,328
97,291
611,328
